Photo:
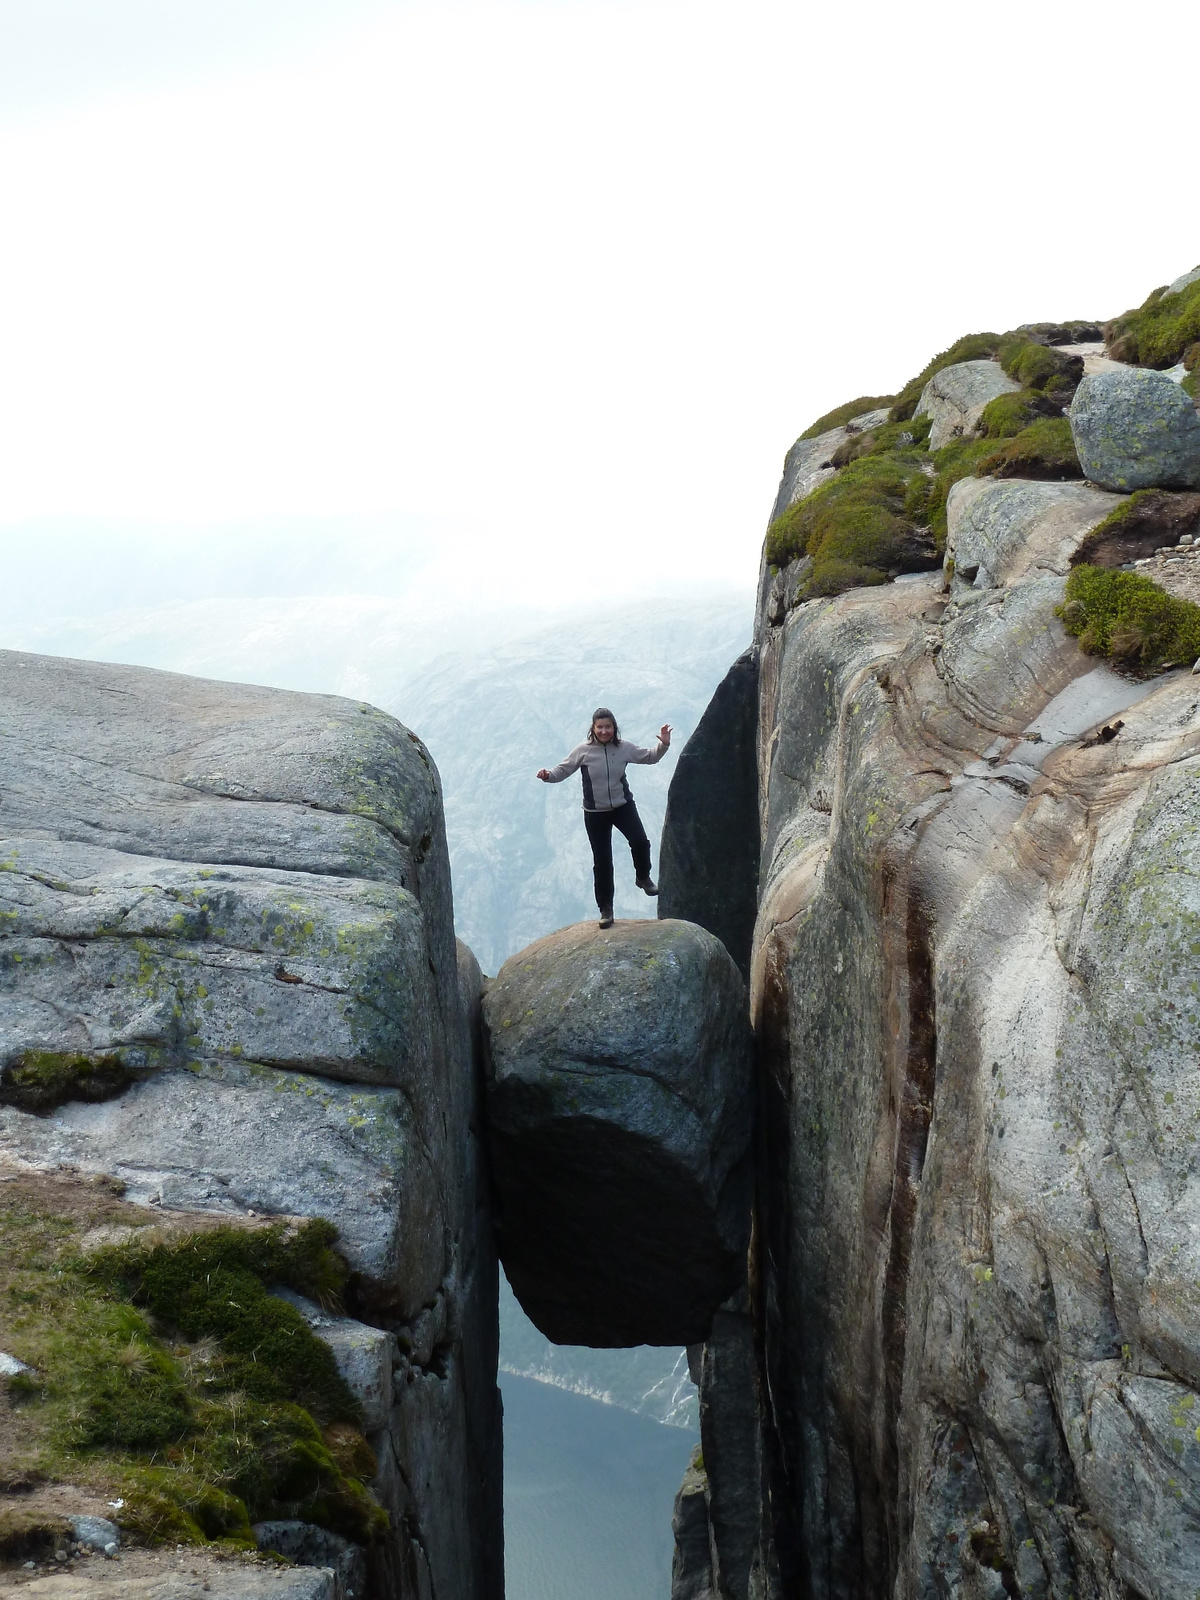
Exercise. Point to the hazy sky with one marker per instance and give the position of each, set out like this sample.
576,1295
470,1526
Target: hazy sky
533,293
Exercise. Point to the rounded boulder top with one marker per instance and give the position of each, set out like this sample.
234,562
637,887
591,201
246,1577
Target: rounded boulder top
1136,429
620,1108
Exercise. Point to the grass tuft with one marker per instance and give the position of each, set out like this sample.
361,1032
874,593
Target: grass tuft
846,413
1129,620
1045,450
1160,332
166,1375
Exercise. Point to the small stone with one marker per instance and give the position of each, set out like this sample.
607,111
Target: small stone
95,1533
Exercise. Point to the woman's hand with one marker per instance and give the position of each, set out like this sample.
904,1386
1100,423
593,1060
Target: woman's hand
543,775
664,736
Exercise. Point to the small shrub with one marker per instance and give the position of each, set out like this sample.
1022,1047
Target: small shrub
1045,450
865,520
1040,366
846,413
41,1080
1008,414
1159,332
1129,620
834,577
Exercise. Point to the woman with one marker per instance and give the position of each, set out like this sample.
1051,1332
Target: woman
607,803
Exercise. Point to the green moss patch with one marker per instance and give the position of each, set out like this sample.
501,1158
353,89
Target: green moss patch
1042,367
840,415
212,1286
1140,525
1129,620
1029,350
40,1080
1045,450
863,526
1160,332
165,1375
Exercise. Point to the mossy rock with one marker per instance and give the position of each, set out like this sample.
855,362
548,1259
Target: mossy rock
1147,520
1041,367
840,415
166,1375
863,526
1044,450
212,1286
1129,620
1010,414
1160,332
41,1080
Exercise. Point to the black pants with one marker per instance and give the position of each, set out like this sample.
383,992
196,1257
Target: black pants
600,825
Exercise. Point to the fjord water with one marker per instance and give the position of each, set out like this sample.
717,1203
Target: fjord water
588,1494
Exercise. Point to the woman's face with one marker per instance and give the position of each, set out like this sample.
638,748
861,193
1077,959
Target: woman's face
604,728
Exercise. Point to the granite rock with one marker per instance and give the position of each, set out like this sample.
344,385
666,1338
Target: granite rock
227,947
620,1105
717,889
955,397
975,1015
1136,429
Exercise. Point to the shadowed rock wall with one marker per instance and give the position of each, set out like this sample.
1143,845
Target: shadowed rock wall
709,859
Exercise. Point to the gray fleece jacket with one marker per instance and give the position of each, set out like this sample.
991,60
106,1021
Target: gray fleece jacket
602,767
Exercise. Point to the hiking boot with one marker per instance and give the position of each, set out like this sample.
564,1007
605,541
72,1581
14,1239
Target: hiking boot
606,917
647,885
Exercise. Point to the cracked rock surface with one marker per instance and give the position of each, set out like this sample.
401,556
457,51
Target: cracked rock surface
229,979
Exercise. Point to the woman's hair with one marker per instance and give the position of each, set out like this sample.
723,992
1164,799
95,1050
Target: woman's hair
603,711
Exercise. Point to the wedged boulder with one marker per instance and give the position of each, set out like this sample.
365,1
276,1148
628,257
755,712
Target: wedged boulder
955,397
620,1102
1136,429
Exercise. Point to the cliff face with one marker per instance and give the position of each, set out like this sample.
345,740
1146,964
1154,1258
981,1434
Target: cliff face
974,1275
229,989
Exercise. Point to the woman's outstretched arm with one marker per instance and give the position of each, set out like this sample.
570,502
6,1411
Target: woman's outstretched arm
564,769
646,757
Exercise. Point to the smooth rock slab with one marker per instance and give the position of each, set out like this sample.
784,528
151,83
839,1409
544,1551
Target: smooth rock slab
243,1138
1136,429
620,1101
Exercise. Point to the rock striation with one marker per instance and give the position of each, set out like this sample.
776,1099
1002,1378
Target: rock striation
972,1290
620,1107
229,983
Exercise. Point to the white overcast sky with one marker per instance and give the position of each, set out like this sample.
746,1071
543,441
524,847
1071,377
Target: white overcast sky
530,294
